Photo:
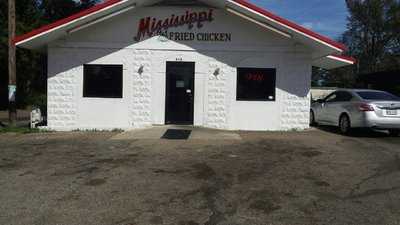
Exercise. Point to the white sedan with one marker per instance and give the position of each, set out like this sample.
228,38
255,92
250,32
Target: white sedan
358,108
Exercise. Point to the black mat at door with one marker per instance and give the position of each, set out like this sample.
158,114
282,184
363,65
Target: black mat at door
174,134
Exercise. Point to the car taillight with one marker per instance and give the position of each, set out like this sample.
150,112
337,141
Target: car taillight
366,107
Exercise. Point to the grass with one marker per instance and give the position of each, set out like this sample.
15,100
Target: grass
21,130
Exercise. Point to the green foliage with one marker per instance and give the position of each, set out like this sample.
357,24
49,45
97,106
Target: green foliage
38,100
3,54
319,76
58,9
373,34
31,66
373,38
22,130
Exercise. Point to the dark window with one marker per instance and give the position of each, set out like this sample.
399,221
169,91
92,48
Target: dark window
256,84
343,96
331,97
377,95
339,96
102,81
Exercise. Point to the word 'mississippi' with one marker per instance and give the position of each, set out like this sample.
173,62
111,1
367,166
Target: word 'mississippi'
149,26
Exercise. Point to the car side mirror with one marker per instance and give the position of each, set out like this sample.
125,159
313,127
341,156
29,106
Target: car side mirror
320,101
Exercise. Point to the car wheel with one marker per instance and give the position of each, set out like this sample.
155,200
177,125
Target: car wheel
394,133
312,119
344,124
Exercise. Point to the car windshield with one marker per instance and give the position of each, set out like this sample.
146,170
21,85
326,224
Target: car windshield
377,95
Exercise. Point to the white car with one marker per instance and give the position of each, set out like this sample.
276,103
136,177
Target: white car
358,108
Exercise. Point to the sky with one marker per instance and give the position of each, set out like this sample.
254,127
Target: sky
327,17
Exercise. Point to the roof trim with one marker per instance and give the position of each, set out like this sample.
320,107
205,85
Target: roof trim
334,61
290,24
240,3
47,28
343,58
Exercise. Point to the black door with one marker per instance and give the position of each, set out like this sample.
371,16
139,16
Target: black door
180,93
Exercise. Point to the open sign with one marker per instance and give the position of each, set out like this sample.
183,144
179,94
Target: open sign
255,77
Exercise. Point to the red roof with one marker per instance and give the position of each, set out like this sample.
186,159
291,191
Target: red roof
243,3
65,20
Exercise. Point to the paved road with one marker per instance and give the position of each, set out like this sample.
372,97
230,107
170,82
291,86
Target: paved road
314,177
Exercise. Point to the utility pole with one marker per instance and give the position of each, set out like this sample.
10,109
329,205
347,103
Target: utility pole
12,76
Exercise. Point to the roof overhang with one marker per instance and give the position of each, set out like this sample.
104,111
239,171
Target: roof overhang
323,49
39,38
334,61
299,33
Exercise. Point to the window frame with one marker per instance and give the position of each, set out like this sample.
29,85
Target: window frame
337,97
360,94
84,83
241,99
326,100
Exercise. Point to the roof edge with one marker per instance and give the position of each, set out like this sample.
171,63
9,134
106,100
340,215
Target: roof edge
293,25
17,40
347,59
22,38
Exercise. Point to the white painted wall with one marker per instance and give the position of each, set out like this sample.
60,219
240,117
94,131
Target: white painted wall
143,102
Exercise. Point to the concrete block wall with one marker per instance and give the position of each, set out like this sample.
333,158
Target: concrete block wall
61,95
296,102
68,110
295,113
141,114
218,95
62,105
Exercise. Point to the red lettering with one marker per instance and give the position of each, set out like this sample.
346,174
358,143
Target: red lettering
151,26
166,24
144,28
202,18
193,18
255,77
210,15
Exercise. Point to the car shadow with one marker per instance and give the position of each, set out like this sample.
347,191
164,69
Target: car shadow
359,133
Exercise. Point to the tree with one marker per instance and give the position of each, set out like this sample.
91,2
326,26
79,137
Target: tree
12,82
58,9
3,55
31,66
373,34
372,37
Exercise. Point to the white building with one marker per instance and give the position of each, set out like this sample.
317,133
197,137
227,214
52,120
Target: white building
223,64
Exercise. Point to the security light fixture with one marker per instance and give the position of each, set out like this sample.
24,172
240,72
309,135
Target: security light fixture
217,72
141,69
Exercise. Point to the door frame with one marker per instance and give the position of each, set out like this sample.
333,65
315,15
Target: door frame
191,122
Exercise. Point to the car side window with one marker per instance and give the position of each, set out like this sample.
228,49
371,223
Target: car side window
331,98
347,96
343,96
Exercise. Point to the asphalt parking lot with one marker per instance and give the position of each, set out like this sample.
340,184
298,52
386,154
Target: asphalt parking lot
312,177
